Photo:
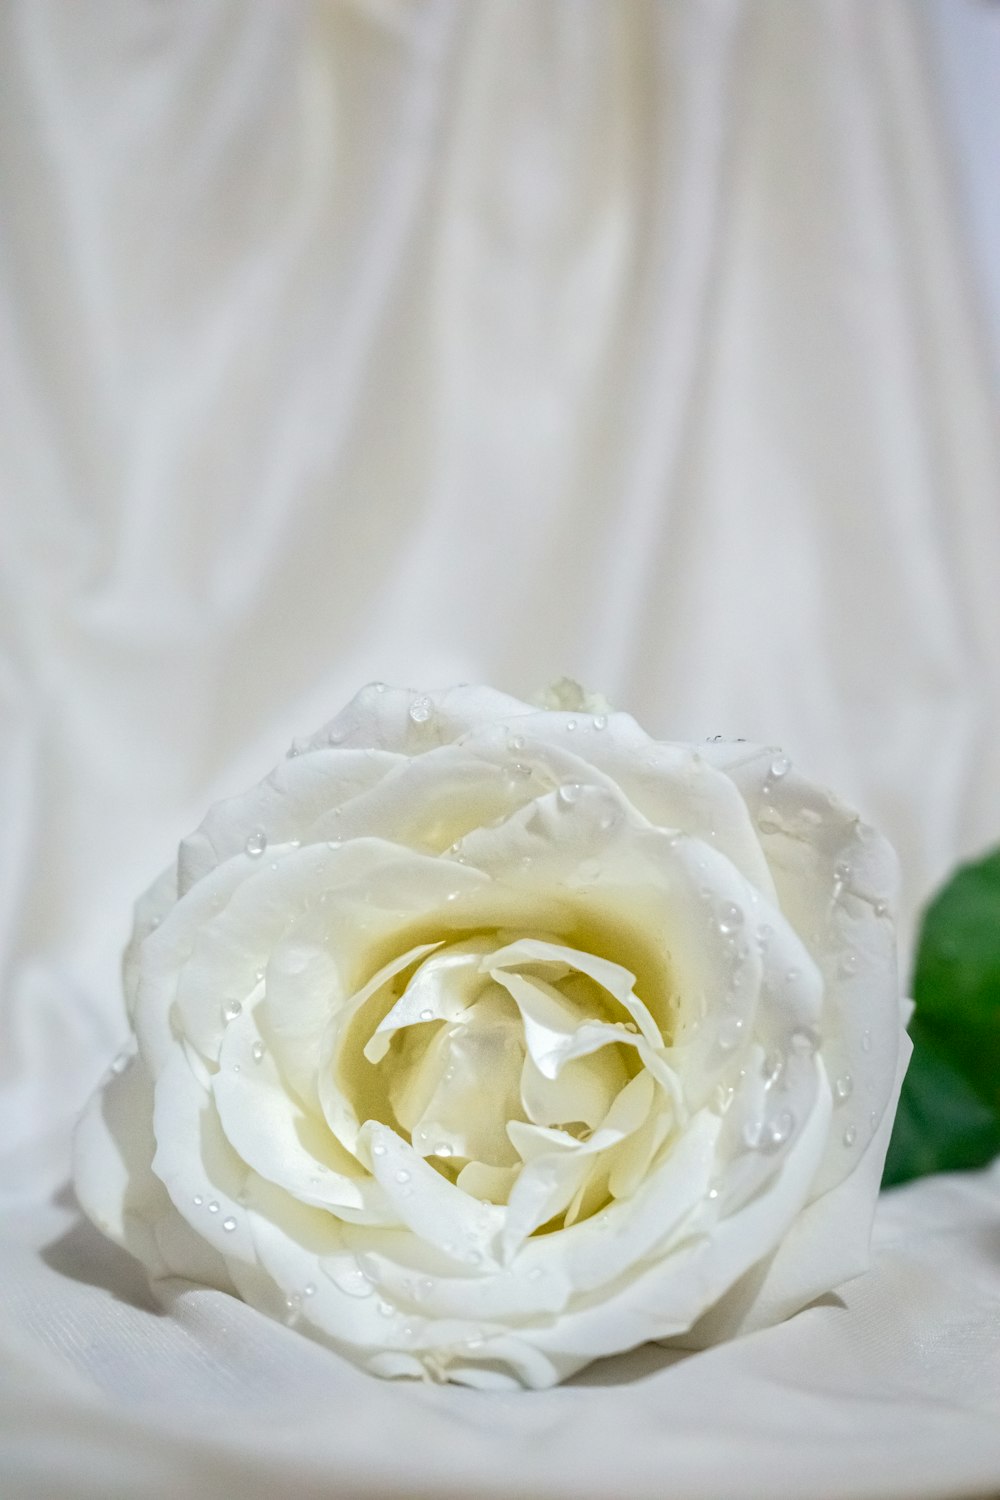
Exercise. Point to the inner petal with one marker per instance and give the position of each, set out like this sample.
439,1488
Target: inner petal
458,1098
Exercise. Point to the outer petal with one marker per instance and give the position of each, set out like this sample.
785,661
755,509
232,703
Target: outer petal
837,881
114,1182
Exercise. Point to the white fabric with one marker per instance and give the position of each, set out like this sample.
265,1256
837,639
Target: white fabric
487,341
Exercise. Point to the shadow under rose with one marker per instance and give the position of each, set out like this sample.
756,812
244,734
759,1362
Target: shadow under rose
83,1254
650,1359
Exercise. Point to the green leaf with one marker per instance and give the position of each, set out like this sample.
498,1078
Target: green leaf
949,1110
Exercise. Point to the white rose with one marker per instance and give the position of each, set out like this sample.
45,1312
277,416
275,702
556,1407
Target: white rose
481,1040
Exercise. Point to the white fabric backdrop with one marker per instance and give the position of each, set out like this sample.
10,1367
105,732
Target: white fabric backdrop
440,341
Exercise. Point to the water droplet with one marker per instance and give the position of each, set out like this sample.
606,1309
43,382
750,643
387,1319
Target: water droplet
764,935
850,1136
866,1039
804,1040
453,895
571,725
423,1287
257,1051
791,975
843,1087
293,1306
121,1062
402,1175
780,1128
198,1200
569,793
881,908
378,1149
378,687
386,1309
600,721
426,1014
231,1010
421,710
713,1193
213,1207
442,1149
515,744
229,1225
842,873
772,1068
730,918
849,965
308,1290
723,1097
352,1281
256,843
752,1132
730,1030
780,766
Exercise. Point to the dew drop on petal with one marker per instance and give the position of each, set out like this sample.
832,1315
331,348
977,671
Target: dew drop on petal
804,1040
600,721
723,1097
780,1128
402,1175
231,1010
442,1149
378,1149
198,1200
257,1051
843,1087
780,767
213,1207
352,1281
569,793
730,1030
866,1039
386,1309
881,908
730,918
256,843
849,965
420,710
229,1225
850,1136
427,1014
121,1062
308,1290
571,724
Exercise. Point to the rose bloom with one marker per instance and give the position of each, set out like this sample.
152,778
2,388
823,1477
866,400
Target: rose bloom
481,1040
